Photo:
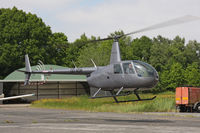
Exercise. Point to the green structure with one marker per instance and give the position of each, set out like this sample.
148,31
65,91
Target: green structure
44,86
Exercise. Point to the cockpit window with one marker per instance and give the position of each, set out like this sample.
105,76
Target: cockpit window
117,69
128,68
143,69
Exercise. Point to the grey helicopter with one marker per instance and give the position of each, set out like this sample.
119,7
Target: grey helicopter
118,75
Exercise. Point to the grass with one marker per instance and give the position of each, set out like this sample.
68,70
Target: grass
163,103
8,121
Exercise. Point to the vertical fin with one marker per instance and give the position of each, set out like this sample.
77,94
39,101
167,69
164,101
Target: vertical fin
28,70
27,78
115,53
27,63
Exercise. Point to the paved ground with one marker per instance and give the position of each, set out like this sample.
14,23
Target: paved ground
23,119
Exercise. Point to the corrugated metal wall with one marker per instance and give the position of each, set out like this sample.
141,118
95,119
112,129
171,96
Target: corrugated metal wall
1,88
47,90
1,91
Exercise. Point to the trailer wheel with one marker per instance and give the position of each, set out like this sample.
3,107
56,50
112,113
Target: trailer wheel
197,108
189,109
182,109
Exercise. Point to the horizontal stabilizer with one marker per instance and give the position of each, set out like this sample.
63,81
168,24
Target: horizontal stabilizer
22,71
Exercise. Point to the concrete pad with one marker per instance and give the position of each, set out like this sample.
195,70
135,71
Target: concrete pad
14,105
34,120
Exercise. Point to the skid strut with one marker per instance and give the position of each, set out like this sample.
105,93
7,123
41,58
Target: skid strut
114,97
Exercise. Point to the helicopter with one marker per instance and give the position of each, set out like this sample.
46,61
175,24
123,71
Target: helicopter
118,75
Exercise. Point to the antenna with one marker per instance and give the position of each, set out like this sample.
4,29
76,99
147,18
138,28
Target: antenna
74,64
93,63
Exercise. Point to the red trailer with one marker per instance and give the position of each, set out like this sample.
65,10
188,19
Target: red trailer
188,99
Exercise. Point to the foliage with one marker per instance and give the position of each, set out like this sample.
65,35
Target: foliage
73,51
99,53
21,34
192,74
141,48
24,33
172,78
57,46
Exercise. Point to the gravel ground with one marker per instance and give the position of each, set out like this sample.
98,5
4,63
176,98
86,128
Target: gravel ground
23,119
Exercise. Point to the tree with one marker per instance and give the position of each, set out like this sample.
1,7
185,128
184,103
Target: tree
192,74
141,48
99,52
21,34
159,53
192,52
56,50
172,78
176,52
73,51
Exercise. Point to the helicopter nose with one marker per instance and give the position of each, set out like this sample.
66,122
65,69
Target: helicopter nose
156,78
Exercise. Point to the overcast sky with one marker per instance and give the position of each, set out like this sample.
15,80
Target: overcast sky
102,17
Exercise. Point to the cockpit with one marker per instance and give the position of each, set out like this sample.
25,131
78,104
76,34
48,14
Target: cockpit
135,67
144,69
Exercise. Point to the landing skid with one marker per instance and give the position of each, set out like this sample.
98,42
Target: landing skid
135,100
117,94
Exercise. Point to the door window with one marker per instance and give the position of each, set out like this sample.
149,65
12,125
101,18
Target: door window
117,69
128,68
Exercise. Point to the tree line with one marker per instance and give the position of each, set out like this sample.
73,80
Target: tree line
176,61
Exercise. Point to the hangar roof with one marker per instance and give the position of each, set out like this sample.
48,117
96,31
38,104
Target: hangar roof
17,76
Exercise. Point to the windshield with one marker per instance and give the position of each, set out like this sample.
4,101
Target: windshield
143,69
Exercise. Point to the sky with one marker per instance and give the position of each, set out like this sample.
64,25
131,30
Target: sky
102,17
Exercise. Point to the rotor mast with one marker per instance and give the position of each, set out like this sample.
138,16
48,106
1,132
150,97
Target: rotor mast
115,53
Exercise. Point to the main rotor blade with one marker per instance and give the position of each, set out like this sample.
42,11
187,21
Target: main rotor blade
103,39
176,21
184,19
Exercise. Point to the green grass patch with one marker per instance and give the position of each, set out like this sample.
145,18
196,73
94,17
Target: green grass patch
9,121
163,103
